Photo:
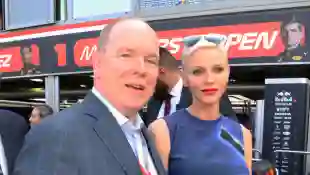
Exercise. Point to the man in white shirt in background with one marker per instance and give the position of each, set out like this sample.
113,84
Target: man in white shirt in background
171,94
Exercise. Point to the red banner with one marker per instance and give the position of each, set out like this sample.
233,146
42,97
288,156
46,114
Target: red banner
244,40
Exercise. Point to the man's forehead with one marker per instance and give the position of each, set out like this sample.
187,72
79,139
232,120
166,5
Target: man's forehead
131,27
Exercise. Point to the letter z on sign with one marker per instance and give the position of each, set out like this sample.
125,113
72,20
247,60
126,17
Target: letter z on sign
5,61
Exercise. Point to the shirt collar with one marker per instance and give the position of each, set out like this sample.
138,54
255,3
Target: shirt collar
177,89
120,118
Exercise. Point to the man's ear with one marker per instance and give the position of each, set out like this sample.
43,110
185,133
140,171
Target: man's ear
96,60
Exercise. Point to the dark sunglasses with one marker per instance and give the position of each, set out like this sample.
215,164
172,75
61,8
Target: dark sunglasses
212,39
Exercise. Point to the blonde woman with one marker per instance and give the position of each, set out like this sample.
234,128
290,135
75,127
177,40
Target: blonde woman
199,140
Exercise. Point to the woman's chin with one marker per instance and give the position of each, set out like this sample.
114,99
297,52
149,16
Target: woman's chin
210,100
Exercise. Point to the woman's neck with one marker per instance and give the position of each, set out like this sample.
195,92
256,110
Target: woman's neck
205,112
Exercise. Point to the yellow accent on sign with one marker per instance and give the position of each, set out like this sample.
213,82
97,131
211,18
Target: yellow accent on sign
297,58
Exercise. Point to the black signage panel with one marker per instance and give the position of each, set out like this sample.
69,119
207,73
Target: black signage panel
285,123
273,37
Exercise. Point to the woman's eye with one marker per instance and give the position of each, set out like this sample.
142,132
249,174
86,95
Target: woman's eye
218,69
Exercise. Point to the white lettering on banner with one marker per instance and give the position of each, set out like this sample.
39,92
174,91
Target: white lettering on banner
5,61
246,41
252,40
88,52
173,43
233,39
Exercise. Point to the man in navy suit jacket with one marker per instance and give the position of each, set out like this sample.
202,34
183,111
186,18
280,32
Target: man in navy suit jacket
13,129
104,134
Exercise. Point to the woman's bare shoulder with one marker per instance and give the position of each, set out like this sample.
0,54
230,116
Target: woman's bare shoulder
159,127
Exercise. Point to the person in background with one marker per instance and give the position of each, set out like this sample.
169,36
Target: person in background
199,139
40,112
27,55
171,94
293,38
13,128
103,135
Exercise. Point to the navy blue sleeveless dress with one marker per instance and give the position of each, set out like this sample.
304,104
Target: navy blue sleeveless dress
200,147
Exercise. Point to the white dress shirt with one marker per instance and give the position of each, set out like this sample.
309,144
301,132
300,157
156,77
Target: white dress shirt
176,93
132,131
3,162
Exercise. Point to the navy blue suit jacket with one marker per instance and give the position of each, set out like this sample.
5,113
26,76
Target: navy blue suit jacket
13,128
82,140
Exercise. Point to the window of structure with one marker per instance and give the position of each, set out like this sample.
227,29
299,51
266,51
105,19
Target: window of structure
1,15
22,13
151,4
82,9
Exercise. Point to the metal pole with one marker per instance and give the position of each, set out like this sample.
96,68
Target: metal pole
259,128
52,92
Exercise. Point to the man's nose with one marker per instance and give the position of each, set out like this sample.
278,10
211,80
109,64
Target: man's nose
141,65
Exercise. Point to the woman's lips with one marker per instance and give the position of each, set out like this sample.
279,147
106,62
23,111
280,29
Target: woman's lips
209,91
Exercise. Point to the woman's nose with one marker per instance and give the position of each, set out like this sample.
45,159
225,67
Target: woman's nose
209,78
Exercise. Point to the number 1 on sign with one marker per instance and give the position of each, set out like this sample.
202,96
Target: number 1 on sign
61,51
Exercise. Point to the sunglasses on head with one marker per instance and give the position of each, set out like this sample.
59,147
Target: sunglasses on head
211,39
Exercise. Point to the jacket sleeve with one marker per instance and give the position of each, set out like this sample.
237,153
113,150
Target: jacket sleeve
45,152
13,128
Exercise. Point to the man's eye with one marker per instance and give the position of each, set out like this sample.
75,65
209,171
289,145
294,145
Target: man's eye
197,72
125,55
152,61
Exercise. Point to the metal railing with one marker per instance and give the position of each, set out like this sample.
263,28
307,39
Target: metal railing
293,152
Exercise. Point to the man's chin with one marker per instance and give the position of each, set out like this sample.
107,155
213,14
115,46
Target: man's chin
136,106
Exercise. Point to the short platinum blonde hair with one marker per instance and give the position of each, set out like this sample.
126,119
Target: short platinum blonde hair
188,51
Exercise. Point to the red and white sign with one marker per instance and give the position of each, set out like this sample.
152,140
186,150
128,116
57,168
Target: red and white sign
10,60
244,40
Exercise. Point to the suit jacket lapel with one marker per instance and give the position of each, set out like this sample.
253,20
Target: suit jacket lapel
185,100
153,152
111,134
153,108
